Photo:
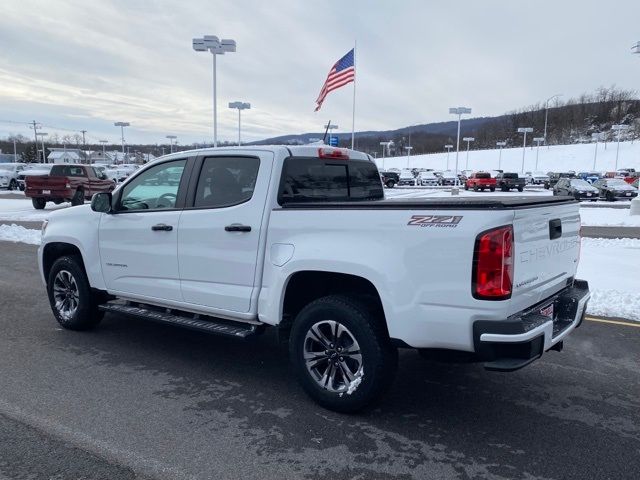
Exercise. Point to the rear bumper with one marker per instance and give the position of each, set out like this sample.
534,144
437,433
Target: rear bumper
522,338
37,193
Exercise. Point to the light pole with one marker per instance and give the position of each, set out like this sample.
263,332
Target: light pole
330,127
524,130
458,111
122,125
408,149
216,46
596,137
635,203
546,114
619,128
500,145
44,152
468,140
385,145
448,147
104,143
240,106
171,139
538,141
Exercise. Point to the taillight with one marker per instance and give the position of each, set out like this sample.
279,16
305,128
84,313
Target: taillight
67,186
493,264
333,153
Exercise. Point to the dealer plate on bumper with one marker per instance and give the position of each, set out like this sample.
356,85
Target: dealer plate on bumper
46,192
547,311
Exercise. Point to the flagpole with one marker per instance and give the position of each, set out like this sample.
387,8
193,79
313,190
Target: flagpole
353,118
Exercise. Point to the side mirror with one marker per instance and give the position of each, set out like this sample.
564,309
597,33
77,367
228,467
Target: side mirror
101,202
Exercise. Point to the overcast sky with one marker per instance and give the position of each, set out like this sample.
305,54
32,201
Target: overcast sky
83,65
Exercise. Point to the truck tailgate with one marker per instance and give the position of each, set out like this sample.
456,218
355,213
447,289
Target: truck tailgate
47,182
547,249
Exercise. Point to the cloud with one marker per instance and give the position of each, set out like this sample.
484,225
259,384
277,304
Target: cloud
84,65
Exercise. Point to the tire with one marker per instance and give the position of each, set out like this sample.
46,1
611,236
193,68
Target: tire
21,187
362,328
390,183
72,302
466,187
609,196
39,203
520,189
504,188
546,185
475,188
13,185
493,189
78,198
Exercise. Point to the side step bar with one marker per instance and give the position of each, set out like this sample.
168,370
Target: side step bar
191,321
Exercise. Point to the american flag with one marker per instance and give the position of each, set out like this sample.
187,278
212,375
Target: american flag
343,72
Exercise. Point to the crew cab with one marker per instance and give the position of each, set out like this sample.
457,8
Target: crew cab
480,181
507,181
297,239
66,183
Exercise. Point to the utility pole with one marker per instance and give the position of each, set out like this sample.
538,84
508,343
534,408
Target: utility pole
34,126
15,151
84,145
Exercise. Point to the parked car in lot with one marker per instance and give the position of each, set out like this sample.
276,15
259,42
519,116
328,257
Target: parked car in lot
32,169
615,189
506,181
9,173
300,251
406,178
577,188
555,176
427,179
480,181
390,179
536,178
447,178
66,183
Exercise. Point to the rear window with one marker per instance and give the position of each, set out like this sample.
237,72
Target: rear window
317,180
483,175
510,175
67,171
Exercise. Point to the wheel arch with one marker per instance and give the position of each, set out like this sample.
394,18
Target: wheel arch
53,251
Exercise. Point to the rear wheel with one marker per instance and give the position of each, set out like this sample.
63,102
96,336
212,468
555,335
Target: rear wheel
466,187
70,296
493,189
520,189
341,353
39,203
78,198
475,187
391,183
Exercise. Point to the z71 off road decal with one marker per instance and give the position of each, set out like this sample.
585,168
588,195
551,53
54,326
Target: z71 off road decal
435,221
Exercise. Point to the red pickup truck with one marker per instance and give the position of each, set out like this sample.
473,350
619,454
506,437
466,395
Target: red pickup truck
66,183
480,181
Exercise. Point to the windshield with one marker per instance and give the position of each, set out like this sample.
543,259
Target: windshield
617,183
581,184
510,175
483,175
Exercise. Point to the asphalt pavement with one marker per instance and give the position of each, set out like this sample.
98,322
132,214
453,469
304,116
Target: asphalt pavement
140,400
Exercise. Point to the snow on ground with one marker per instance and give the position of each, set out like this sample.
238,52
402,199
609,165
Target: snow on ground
16,233
555,158
612,268
22,210
608,217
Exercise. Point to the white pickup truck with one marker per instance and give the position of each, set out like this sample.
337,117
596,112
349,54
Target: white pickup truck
232,240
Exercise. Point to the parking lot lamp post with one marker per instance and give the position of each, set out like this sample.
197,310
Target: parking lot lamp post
213,44
384,146
596,138
524,130
44,152
104,144
468,140
171,139
635,203
500,145
408,149
122,125
448,147
538,141
240,106
458,111
619,129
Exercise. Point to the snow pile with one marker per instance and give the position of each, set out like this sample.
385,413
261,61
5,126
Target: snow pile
17,233
19,210
612,268
608,217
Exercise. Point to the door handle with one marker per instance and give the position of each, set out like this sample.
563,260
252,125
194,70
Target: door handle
236,227
161,227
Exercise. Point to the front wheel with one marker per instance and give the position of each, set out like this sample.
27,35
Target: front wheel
70,295
391,184
39,203
520,189
609,196
78,198
13,185
475,188
341,353
466,187
493,189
